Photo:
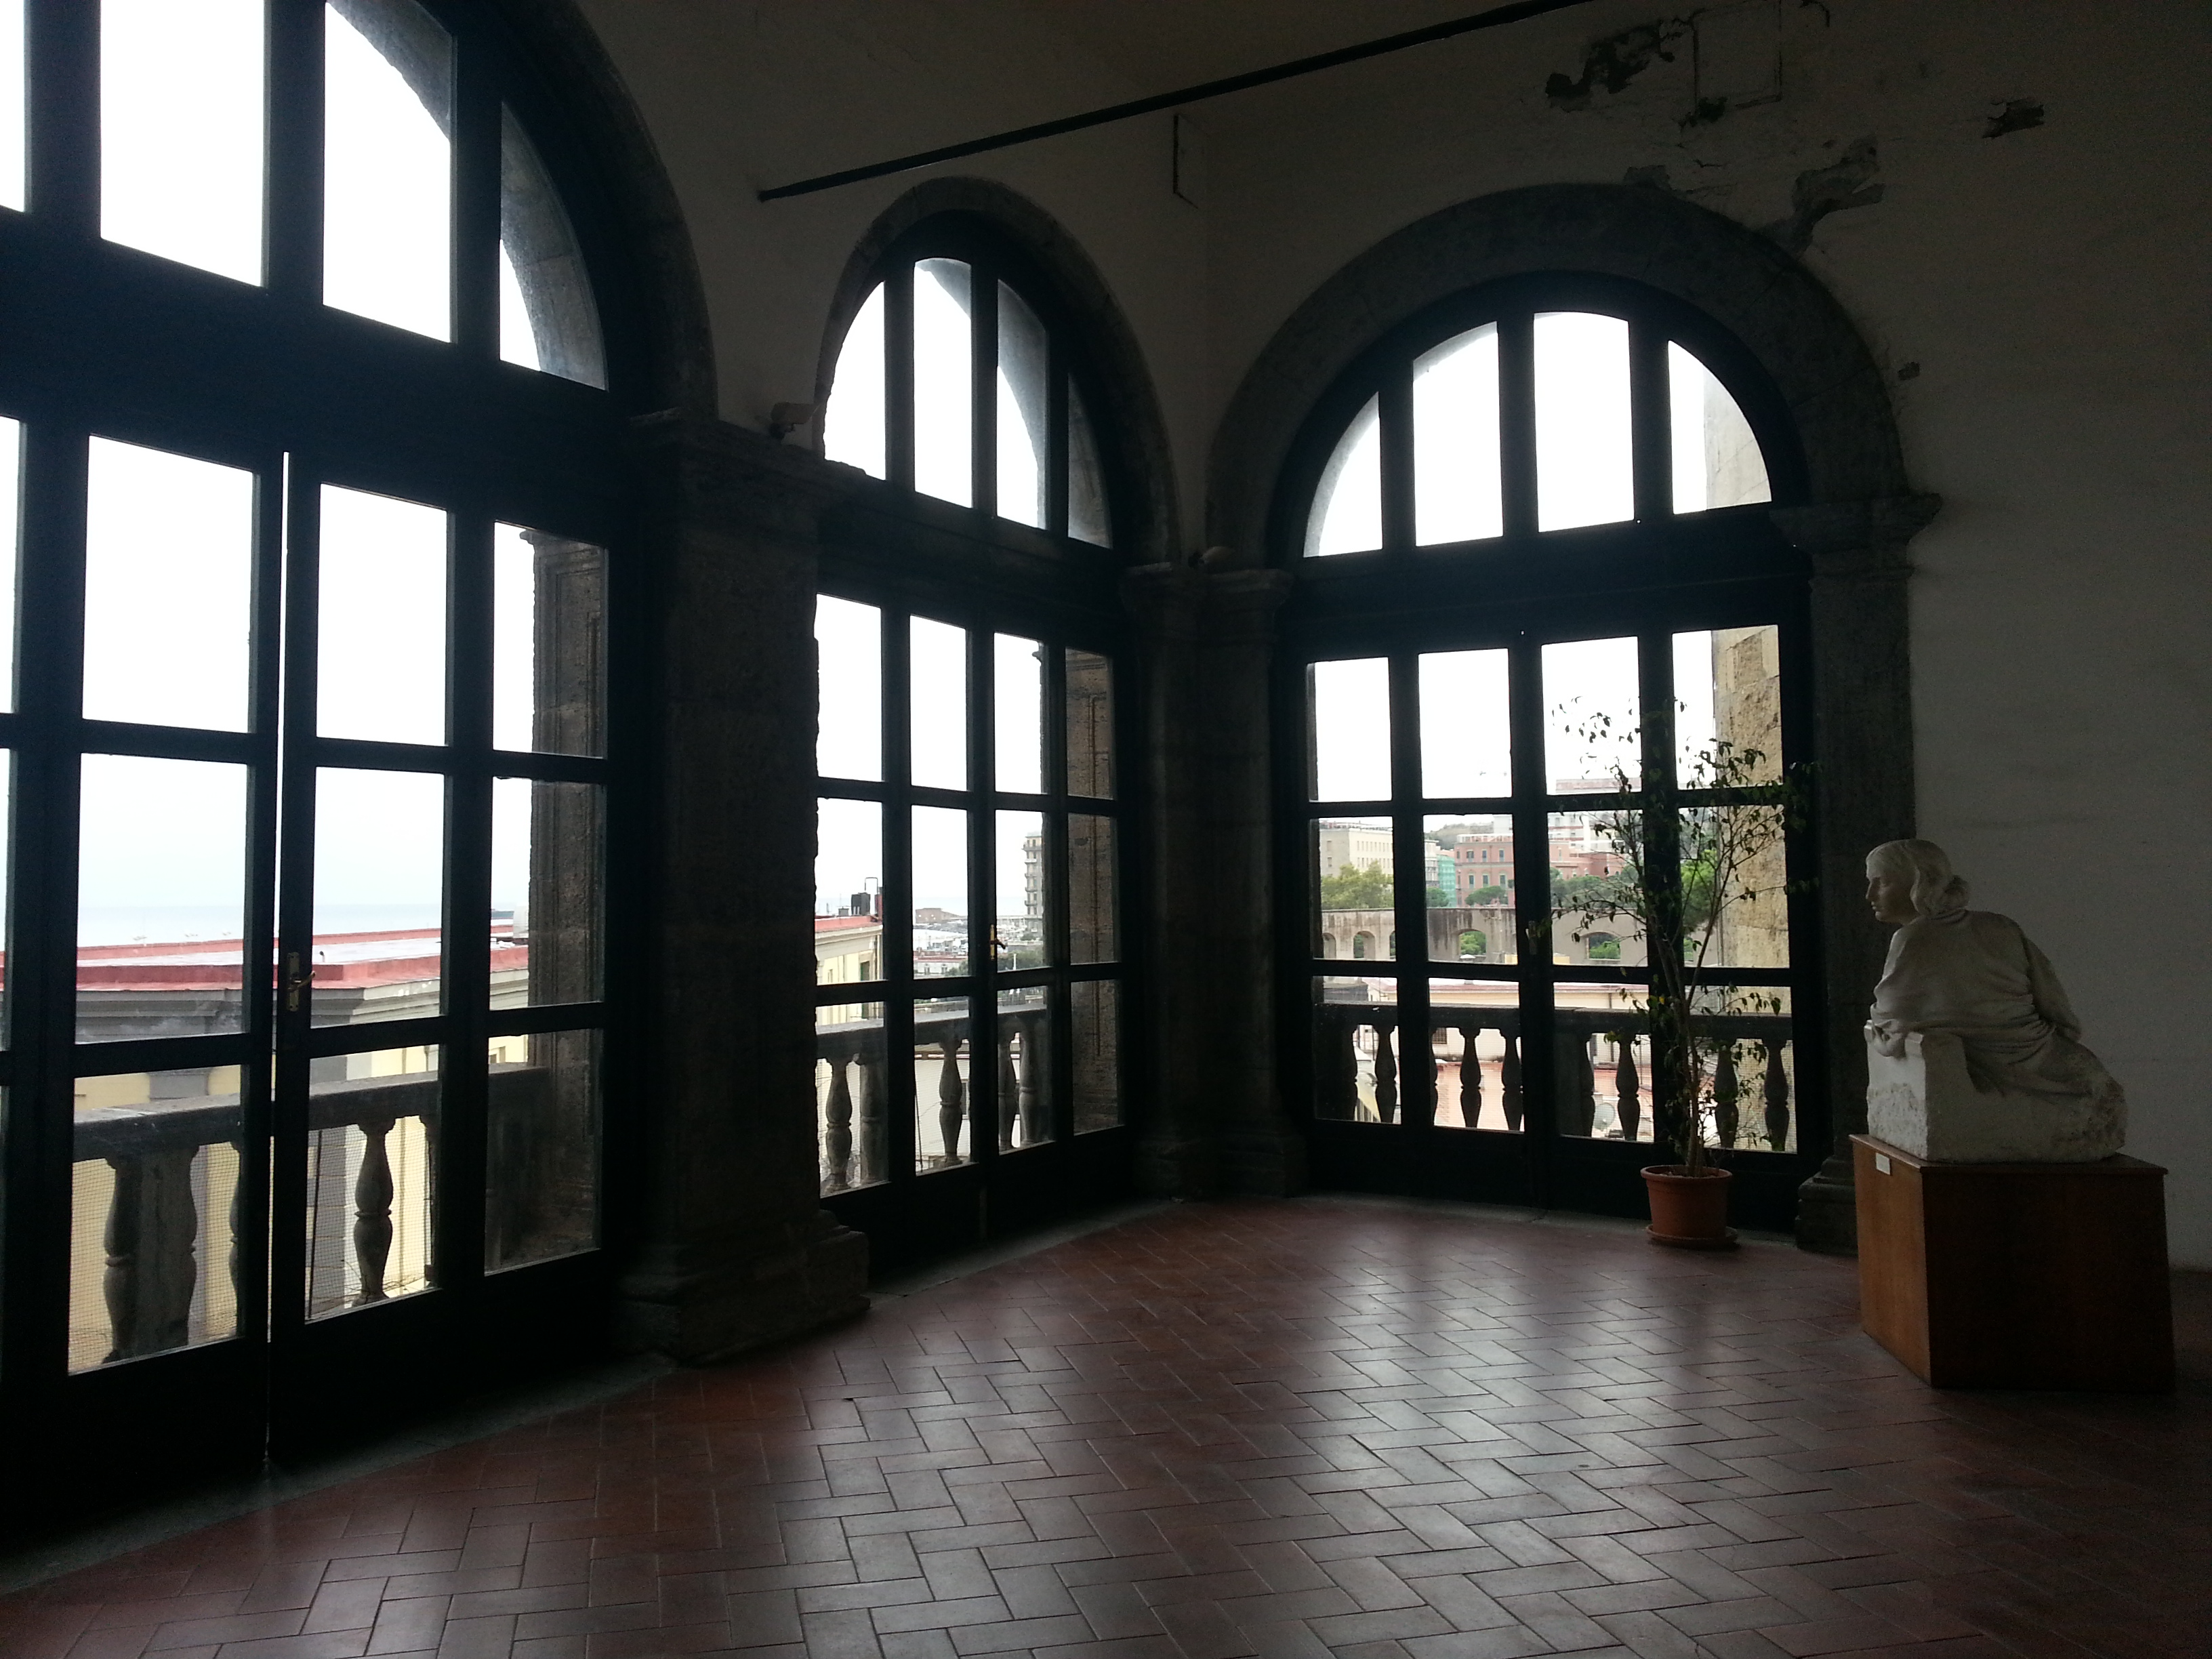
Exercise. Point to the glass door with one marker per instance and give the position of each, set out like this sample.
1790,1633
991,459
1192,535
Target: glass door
1472,963
967,931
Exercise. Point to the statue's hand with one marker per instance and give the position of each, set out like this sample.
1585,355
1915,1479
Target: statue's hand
1887,1037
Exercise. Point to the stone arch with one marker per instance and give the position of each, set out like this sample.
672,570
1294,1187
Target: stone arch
1127,413
1852,521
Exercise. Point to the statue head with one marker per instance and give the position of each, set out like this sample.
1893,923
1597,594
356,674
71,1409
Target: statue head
1908,879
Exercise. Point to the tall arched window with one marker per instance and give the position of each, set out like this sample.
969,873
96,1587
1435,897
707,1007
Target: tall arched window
314,465
1542,625
969,936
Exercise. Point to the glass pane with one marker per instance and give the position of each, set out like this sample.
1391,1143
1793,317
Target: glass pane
1092,935
1347,509
12,131
168,588
1728,708
1467,738
848,678
1349,706
160,923
1470,880
1594,904
180,105
1018,691
1097,1027
546,895
1585,472
852,424
548,660
369,1177
943,383
937,704
1602,1064
379,869
1018,862
1472,865
940,891
1090,726
1021,410
1356,1050
848,891
11,467
1716,458
1735,898
1455,455
851,1096
1474,1039
1592,724
542,1147
1088,519
381,601
940,1082
1354,889
546,317
1025,1085
153,1172
387,186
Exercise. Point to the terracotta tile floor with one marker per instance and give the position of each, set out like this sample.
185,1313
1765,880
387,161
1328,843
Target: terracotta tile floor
1326,1426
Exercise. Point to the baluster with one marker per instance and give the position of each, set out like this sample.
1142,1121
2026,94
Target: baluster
1577,1085
1034,1129
1386,1075
1509,1079
951,1097
372,1210
1440,1035
1009,1084
837,1128
1724,1091
153,1227
1628,1106
1776,1093
874,1109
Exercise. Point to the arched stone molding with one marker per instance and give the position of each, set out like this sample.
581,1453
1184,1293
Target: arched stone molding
1857,516
1127,417
652,302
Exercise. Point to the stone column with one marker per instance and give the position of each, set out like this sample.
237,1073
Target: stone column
1863,721
1218,1123
736,1250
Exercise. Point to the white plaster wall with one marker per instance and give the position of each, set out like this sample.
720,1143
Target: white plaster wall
2042,293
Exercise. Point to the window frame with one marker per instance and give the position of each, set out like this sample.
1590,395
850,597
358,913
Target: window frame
1649,576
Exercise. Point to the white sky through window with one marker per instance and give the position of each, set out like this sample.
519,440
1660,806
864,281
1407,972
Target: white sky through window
1457,487
11,104
1591,703
1585,472
160,850
387,190
1467,742
853,425
1351,702
180,150
943,383
1347,511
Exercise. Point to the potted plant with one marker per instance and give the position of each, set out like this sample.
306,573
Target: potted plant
1687,857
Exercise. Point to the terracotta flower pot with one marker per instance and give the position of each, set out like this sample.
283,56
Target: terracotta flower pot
1689,1211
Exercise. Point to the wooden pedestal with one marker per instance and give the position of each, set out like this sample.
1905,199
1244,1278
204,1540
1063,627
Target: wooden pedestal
2016,1275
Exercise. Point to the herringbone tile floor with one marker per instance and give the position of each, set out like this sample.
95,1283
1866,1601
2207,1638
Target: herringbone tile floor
1291,1430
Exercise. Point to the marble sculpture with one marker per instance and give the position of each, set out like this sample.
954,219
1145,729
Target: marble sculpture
1973,1053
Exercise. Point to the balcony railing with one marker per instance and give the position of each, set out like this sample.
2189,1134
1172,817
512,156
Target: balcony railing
1359,1043
151,1234
855,1097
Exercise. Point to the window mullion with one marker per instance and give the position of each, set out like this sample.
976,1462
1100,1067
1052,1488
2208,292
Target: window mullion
983,355
1649,422
1517,422
982,904
1410,888
475,161
294,222
62,114
1055,442
898,375
1394,411
897,946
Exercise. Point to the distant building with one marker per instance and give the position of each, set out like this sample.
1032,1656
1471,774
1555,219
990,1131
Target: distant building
1341,846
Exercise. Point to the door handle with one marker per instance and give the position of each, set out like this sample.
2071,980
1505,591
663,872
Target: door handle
296,980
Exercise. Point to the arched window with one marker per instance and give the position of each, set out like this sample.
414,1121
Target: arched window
1541,617
971,774
958,379
315,470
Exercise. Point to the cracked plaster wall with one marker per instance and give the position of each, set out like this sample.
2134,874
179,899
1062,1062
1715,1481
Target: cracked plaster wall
2008,199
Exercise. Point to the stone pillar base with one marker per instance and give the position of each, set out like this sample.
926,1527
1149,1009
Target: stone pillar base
756,1291
1828,1210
